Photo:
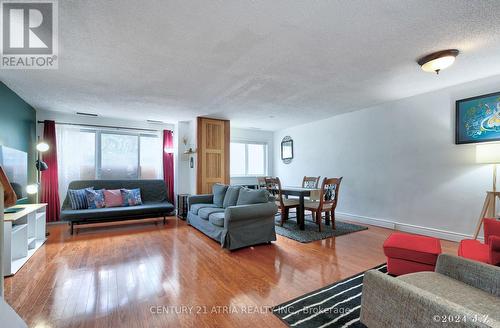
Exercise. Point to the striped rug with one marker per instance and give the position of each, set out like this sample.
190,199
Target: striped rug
337,305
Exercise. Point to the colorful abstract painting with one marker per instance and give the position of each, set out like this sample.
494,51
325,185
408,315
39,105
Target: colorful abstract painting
478,119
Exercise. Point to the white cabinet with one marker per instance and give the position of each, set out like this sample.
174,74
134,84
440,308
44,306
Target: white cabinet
24,234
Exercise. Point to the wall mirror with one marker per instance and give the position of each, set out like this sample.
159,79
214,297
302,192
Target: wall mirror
287,150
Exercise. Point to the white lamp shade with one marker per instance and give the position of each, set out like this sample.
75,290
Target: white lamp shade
42,146
488,153
32,189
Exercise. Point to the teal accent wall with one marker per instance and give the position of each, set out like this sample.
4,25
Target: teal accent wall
18,126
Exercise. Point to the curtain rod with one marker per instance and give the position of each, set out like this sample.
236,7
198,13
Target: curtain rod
104,126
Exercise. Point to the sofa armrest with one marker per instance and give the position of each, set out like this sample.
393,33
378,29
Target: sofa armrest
201,199
248,212
388,302
494,244
476,274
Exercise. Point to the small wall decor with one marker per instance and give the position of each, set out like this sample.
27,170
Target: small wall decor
188,152
287,150
478,119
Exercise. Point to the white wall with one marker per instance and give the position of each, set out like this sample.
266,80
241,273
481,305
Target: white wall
186,176
400,164
238,134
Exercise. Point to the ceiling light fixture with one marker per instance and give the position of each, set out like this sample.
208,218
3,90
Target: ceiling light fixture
437,61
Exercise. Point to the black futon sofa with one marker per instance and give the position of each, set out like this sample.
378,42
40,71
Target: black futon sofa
154,202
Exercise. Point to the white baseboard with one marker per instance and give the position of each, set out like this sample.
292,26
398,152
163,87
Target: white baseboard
431,232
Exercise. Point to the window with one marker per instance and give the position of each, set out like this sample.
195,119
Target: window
87,154
128,156
86,160
150,155
248,159
119,156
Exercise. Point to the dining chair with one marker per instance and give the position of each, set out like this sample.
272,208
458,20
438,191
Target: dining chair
310,182
329,195
261,182
273,185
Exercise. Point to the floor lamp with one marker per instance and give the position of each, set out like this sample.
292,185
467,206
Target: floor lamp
41,147
488,154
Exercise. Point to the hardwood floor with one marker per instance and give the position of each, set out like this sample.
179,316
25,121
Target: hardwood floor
118,276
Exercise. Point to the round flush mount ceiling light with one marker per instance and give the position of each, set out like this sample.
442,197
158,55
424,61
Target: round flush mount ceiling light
437,61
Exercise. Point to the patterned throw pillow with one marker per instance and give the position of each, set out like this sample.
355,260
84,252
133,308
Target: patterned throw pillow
131,197
113,198
95,198
78,198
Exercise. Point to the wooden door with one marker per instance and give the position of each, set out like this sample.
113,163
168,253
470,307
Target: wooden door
213,153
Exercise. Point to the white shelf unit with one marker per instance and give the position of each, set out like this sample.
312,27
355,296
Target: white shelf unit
23,237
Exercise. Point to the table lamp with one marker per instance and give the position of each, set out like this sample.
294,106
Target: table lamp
488,153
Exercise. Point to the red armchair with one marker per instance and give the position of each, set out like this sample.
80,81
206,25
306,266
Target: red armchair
489,252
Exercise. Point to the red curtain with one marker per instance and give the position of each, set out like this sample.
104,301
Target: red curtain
50,182
168,163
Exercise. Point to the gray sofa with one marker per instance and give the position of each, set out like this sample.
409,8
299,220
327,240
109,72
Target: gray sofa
236,217
154,202
460,293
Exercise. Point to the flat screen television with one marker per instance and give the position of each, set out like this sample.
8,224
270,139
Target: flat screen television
15,164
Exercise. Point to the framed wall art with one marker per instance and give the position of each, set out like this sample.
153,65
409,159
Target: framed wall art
478,119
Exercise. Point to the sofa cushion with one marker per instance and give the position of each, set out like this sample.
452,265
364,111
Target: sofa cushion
131,197
78,198
454,291
219,191
153,208
205,212
95,198
231,197
196,207
113,198
251,196
217,219
415,248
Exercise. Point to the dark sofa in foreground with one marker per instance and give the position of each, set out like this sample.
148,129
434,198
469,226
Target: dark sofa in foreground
154,202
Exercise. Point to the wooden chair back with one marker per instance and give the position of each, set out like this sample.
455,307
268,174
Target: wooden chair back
329,194
310,182
261,182
273,185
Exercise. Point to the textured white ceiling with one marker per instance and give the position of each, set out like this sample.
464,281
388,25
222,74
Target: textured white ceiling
267,64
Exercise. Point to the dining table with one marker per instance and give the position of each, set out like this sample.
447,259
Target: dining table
302,193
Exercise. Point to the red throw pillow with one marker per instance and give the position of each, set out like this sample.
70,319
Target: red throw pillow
113,198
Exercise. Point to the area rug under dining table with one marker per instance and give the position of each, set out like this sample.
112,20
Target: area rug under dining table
290,229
